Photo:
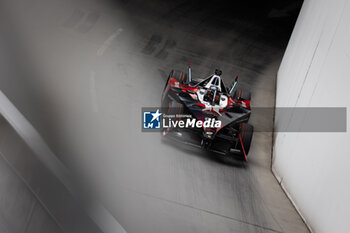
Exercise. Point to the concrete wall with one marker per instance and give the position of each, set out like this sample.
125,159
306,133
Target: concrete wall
314,167
32,199
21,209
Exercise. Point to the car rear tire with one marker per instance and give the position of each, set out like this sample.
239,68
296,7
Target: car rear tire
171,107
241,95
246,132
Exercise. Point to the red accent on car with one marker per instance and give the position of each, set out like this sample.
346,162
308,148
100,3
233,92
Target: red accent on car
169,108
200,105
172,82
240,139
180,108
242,103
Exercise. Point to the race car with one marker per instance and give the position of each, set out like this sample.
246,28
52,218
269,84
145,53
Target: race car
209,99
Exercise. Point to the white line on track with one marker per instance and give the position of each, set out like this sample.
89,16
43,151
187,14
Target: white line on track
108,42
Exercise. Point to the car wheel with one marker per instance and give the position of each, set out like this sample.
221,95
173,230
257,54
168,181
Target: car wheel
246,132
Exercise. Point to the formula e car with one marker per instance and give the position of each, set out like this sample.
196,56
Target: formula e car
209,99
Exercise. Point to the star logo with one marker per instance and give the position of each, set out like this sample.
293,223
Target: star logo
151,119
156,115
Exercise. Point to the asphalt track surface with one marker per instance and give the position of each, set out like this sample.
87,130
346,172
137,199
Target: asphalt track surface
84,70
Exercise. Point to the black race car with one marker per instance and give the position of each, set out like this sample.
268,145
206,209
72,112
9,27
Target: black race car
204,100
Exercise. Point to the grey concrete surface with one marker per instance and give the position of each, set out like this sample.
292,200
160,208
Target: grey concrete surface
32,199
83,71
20,211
